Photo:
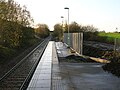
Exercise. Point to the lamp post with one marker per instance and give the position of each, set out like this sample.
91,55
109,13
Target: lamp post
68,27
62,27
62,20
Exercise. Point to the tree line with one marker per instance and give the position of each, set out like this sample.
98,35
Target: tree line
90,32
42,30
15,28
14,24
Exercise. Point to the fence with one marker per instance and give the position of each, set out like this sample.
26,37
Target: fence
75,41
117,44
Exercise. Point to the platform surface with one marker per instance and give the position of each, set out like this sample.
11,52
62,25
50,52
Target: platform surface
41,79
62,49
52,75
81,76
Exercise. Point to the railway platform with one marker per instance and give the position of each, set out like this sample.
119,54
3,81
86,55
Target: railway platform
52,75
41,79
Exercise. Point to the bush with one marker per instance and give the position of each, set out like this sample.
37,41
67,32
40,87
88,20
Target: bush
113,68
6,53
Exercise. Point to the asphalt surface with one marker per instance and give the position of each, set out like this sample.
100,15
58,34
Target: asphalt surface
81,76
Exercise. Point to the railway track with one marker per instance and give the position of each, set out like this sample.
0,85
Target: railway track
18,77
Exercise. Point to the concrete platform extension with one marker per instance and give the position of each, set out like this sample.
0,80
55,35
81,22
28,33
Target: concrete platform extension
63,51
85,76
81,76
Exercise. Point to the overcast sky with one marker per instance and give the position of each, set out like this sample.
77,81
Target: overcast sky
102,14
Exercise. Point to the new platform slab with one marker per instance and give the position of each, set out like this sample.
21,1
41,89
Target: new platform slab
81,76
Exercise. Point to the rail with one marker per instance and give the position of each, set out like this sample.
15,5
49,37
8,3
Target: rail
12,73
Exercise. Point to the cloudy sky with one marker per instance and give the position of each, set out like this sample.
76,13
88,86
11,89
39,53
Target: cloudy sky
102,14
